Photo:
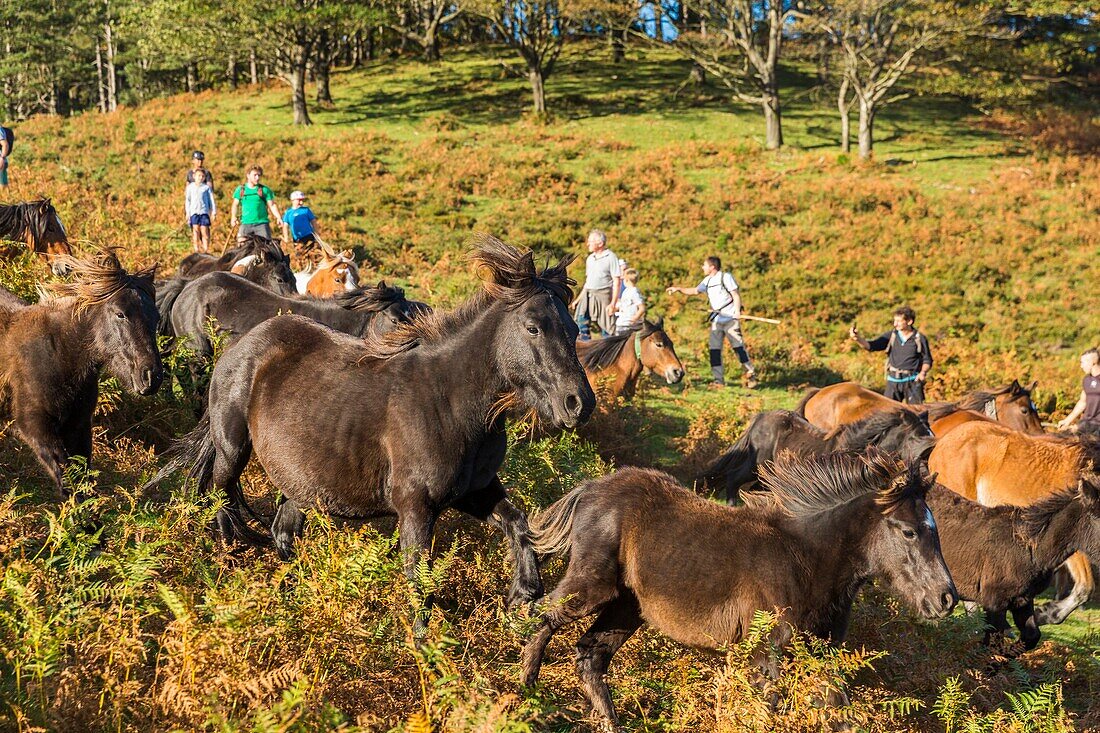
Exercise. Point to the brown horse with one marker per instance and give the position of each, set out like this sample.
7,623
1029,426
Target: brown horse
610,357
642,548
946,423
828,407
51,355
993,464
198,264
37,225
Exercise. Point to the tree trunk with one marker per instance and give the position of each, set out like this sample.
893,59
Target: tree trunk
772,122
324,94
189,75
252,70
618,45
112,77
538,90
431,44
697,76
299,62
866,128
843,106
369,51
100,83
231,71
355,50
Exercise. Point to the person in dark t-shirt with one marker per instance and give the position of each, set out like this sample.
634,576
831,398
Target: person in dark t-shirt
1088,406
908,357
198,163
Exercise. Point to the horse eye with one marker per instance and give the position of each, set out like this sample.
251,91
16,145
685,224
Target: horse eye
660,345
533,330
909,534
120,314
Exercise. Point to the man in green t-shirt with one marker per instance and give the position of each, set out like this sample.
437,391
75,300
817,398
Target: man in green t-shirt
253,201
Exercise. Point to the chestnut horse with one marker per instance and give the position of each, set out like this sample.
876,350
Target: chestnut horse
334,274
993,464
609,357
828,407
416,416
644,549
37,225
51,355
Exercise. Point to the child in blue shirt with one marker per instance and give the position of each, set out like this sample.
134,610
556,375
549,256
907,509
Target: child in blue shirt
299,223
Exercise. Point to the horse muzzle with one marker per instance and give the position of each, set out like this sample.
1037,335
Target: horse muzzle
941,605
148,381
673,375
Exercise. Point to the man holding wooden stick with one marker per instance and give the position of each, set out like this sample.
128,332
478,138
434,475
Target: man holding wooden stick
725,320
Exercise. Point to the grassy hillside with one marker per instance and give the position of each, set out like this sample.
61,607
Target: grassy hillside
119,611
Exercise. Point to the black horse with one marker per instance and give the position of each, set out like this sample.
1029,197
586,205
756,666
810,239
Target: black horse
37,225
419,412
238,306
901,431
51,355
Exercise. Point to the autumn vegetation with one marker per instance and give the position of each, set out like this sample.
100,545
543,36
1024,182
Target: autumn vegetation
119,611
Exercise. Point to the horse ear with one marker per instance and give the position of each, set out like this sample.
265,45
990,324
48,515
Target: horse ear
1088,488
381,284
1031,387
659,324
347,254
1015,387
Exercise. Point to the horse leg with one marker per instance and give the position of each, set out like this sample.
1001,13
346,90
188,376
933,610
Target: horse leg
232,449
1023,615
996,624
1056,612
615,624
491,505
415,524
288,523
76,431
42,436
582,592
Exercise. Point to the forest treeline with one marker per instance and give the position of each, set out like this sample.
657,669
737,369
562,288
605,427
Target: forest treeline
66,56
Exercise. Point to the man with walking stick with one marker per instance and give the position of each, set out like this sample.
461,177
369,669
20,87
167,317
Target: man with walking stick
725,320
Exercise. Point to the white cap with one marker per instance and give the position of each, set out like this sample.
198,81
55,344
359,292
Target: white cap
297,195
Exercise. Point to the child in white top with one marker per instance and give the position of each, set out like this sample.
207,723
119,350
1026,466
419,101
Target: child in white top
631,309
200,210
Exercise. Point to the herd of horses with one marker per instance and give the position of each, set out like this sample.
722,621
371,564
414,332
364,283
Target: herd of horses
962,500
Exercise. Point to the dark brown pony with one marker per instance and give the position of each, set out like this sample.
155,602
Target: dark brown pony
643,548
197,264
994,465
37,225
51,355
418,412
837,404
651,348
9,301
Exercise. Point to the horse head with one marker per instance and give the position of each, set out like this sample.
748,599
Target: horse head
535,339
1015,407
46,235
905,547
657,352
268,266
336,273
120,313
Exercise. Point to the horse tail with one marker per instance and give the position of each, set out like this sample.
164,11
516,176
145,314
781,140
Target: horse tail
800,408
552,528
195,452
166,297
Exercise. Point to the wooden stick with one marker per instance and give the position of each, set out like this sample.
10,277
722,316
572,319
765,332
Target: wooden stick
758,318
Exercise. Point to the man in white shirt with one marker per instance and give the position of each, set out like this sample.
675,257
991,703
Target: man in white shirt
599,298
725,324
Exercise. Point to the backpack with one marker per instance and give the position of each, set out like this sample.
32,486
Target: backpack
9,135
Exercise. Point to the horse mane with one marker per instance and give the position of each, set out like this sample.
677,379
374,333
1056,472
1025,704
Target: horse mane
26,221
508,275
804,486
602,353
372,299
977,400
857,435
1033,520
253,244
939,410
99,278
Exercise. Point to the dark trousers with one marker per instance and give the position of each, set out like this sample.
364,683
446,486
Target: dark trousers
911,392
